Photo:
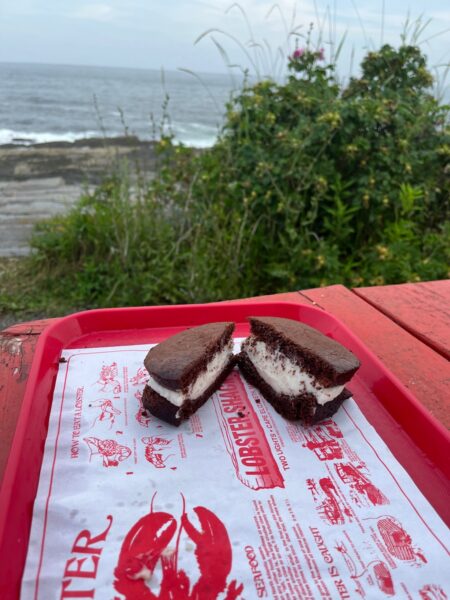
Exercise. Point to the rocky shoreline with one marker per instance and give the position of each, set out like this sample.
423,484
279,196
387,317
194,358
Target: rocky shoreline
40,180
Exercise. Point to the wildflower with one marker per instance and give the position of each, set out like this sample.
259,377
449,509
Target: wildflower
320,55
383,252
331,118
298,53
321,183
377,280
320,260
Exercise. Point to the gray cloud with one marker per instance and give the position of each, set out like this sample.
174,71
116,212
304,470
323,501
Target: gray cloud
155,33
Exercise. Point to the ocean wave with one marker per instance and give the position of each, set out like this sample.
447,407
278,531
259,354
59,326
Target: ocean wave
10,136
196,143
28,138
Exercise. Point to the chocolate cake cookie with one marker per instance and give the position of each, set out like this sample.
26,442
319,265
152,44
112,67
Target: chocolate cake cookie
186,369
300,371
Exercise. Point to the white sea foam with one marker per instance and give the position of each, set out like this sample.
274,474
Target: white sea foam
9,136
27,138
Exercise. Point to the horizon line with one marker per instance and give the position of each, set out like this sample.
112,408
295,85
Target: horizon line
161,69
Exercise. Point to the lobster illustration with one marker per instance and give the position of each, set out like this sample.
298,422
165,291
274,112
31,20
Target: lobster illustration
111,451
153,454
147,544
141,377
108,378
107,412
141,416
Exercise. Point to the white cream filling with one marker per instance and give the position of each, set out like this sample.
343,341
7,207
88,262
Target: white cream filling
201,384
285,376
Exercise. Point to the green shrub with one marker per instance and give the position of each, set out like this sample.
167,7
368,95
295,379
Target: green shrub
324,173
309,184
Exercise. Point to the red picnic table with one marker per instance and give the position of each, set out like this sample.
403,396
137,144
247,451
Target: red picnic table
407,326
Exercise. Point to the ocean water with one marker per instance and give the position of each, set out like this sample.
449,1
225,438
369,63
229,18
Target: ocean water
45,103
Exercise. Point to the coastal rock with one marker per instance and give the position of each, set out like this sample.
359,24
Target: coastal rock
42,180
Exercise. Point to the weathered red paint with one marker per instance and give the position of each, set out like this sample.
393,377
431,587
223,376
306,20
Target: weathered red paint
423,309
17,344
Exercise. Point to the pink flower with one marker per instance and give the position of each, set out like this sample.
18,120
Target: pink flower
321,54
298,53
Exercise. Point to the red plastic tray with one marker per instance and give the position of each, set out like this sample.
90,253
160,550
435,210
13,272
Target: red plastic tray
418,441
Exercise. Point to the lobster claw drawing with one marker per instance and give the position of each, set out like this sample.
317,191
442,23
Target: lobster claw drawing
214,556
141,550
147,544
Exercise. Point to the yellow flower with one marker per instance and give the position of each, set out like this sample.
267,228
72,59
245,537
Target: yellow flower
320,260
377,280
321,183
332,118
383,252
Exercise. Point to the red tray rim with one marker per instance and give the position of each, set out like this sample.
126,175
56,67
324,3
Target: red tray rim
56,338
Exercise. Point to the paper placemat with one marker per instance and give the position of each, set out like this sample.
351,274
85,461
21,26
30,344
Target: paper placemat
235,503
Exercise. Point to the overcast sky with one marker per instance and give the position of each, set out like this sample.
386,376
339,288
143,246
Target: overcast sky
161,33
